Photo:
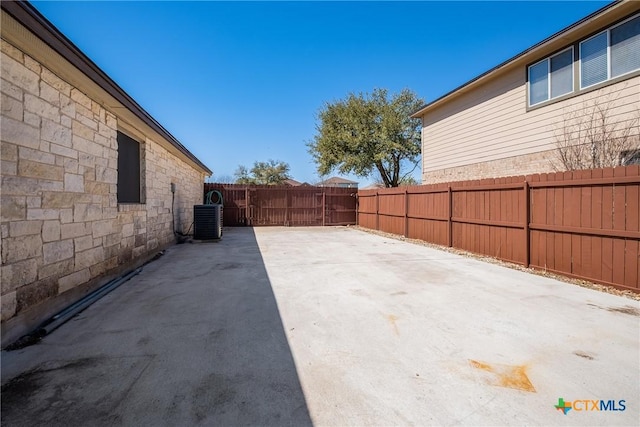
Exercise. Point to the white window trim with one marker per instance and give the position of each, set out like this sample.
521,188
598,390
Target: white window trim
548,59
608,31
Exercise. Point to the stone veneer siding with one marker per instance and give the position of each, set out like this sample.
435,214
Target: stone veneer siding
62,226
529,164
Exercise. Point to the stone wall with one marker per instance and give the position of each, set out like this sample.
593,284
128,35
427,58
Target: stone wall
62,227
529,164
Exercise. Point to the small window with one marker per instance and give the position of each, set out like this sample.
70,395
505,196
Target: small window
625,47
539,82
552,77
128,170
610,54
562,73
593,60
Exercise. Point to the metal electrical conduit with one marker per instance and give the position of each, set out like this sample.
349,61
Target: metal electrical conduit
56,321
59,319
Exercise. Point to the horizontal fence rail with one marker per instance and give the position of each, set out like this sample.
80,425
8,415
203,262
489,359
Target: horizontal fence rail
582,224
263,205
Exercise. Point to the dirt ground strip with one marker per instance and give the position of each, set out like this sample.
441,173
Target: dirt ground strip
579,282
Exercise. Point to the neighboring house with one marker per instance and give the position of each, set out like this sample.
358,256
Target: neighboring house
504,121
294,183
87,175
374,186
336,181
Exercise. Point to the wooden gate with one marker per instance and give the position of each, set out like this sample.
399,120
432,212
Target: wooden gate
286,206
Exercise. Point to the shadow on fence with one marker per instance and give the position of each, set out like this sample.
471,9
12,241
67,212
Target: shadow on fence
582,224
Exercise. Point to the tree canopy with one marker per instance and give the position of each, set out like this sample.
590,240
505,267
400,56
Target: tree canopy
271,172
368,133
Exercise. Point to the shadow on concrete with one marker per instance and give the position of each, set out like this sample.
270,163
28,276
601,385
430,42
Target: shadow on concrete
196,338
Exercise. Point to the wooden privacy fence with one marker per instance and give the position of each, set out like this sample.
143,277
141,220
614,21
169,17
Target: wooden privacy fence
583,224
258,205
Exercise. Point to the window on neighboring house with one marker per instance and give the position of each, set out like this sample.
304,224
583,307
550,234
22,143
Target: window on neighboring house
129,190
552,77
611,53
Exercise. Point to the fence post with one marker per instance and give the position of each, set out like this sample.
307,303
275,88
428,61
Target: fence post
287,200
247,214
527,218
324,207
449,222
406,212
377,211
357,204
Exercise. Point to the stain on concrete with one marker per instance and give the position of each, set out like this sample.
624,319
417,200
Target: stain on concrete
631,311
627,309
227,266
509,376
71,392
212,395
391,318
26,340
583,354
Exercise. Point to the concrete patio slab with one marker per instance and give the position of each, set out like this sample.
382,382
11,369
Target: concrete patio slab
331,326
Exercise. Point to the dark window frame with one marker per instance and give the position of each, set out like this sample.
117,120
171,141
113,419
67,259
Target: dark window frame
129,170
550,74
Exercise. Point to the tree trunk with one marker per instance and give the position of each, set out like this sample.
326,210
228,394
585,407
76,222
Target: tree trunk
383,174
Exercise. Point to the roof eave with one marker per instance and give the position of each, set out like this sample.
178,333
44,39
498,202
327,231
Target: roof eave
517,59
34,21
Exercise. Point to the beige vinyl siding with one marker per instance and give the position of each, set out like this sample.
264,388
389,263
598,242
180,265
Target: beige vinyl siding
492,121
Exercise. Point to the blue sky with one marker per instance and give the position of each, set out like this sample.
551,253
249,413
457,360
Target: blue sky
239,82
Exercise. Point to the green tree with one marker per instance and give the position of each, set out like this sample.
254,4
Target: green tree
271,172
408,181
369,133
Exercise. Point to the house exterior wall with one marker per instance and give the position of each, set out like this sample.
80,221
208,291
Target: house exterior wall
486,129
543,161
63,231
340,185
490,132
